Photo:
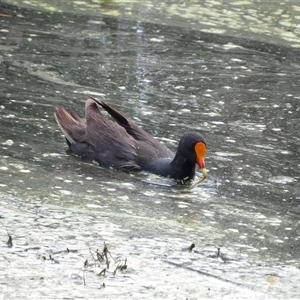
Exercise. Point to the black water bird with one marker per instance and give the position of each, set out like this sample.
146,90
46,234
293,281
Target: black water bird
123,145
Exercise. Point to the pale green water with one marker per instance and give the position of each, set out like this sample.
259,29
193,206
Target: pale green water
241,94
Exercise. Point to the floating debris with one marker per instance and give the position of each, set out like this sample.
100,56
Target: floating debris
199,181
102,272
121,267
9,243
190,248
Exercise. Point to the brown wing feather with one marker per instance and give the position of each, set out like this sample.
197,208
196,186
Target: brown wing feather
110,143
98,138
70,124
147,146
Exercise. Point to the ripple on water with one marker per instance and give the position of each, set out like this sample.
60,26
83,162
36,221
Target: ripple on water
282,179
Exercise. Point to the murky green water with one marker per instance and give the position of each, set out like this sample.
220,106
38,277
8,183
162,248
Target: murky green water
242,94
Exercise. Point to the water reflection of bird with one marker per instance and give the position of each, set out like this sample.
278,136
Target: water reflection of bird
124,145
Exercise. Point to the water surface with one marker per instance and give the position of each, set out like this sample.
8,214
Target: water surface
241,93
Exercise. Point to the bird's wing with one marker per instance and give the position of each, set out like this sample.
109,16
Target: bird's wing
146,145
98,138
110,144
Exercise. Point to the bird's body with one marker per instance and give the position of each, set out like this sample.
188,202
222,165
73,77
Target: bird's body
125,146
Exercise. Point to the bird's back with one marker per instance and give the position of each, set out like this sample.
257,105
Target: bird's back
121,144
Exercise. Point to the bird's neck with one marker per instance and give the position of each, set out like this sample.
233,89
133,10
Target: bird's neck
182,167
